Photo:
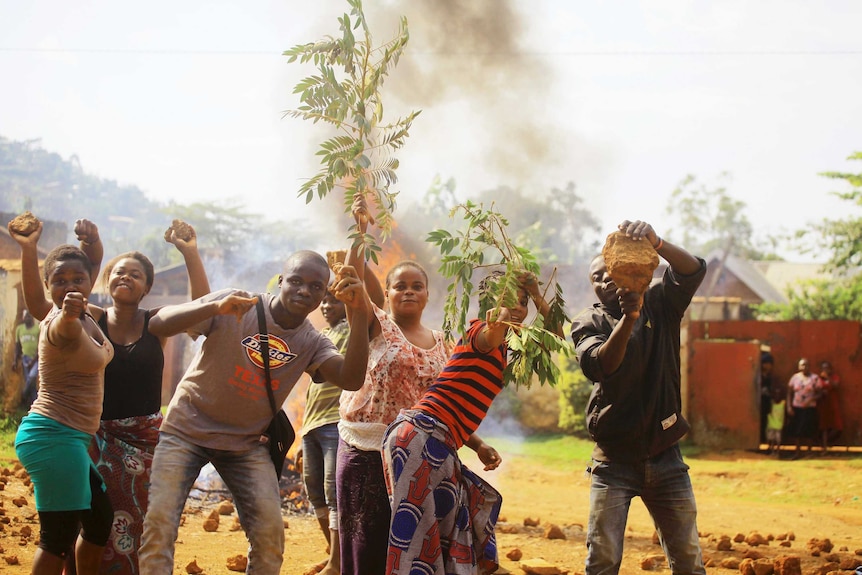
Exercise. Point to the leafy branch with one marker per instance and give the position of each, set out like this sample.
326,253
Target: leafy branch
345,93
485,245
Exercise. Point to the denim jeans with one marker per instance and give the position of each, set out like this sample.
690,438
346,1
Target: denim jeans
663,483
319,454
249,477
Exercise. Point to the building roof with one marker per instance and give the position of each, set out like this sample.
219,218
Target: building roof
768,279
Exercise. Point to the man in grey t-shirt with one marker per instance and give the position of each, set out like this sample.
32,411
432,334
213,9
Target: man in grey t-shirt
221,407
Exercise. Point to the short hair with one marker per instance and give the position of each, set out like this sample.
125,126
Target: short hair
305,254
149,270
406,264
64,253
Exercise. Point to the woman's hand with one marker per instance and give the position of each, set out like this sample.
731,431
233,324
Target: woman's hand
86,231
360,212
181,244
74,305
489,456
29,240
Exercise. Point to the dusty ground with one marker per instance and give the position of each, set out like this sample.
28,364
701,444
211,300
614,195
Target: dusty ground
737,493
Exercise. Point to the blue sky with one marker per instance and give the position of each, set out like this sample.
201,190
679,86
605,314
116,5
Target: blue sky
184,99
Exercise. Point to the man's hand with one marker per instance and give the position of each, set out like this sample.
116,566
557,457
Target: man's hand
638,230
236,305
630,302
348,288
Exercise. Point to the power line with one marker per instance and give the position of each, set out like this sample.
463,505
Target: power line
602,53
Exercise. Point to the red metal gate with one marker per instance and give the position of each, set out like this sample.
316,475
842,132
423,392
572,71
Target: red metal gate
723,393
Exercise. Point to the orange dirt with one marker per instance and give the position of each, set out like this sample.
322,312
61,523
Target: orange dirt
831,510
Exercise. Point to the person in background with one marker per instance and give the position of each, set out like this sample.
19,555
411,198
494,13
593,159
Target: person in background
27,357
829,418
221,410
775,422
628,345
803,391
319,451
75,512
767,363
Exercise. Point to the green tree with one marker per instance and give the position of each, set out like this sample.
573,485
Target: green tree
574,390
346,94
708,218
840,298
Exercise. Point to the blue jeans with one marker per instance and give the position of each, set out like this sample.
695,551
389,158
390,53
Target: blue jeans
662,482
252,482
319,454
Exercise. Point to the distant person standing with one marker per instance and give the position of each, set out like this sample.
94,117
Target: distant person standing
767,383
829,418
775,421
803,390
27,357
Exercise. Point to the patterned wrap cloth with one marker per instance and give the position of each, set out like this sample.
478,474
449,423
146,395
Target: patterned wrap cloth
122,450
444,514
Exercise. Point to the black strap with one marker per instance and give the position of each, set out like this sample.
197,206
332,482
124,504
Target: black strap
264,351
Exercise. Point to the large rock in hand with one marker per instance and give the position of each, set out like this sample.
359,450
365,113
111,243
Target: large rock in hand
630,263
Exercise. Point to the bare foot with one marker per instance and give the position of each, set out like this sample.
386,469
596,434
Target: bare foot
328,569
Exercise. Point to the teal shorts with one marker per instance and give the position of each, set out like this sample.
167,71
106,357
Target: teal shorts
55,456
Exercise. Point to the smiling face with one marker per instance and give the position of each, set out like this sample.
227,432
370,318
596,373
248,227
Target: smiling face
603,285
303,283
128,281
407,291
67,276
518,313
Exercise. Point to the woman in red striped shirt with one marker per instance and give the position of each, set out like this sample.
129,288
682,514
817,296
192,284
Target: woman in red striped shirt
443,515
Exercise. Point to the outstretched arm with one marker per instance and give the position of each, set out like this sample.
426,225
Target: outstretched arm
198,282
31,283
173,319
531,285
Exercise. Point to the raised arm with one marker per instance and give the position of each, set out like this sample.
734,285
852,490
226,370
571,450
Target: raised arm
31,283
173,319
530,283
198,282
91,244
680,260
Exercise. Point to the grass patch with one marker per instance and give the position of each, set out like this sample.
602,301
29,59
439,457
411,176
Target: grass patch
8,428
556,451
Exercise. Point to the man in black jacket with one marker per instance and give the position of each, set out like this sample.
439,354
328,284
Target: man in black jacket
628,345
